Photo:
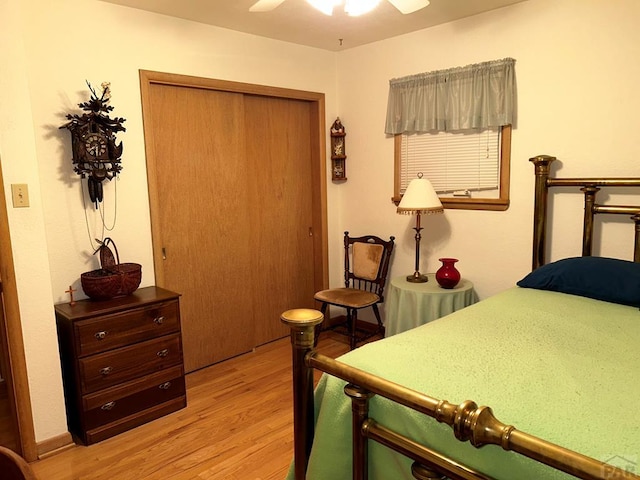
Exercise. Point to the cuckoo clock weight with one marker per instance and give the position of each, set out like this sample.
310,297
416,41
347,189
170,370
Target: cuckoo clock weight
96,155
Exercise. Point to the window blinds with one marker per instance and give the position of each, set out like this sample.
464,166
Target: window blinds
456,164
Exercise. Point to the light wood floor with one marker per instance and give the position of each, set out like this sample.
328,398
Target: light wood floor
237,425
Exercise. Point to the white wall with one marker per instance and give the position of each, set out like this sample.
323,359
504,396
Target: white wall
576,65
48,51
575,70
20,165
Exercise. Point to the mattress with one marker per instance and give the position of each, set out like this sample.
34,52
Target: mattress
561,367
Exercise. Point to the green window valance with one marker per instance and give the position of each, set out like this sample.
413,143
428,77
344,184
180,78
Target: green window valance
482,95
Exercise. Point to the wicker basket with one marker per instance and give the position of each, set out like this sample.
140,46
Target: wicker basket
114,279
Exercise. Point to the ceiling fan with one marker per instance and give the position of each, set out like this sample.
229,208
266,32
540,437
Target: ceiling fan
353,7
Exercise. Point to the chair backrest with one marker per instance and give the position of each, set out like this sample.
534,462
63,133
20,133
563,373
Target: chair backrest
366,262
14,467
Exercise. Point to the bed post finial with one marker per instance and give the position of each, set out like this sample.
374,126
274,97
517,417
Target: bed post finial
302,322
542,167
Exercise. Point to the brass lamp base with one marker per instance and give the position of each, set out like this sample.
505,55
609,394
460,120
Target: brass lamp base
417,278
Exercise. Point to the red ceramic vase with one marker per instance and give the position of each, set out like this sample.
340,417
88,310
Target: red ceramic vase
447,275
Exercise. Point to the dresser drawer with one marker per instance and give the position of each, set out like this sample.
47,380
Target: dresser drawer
123,364
114,428
126,399
120,329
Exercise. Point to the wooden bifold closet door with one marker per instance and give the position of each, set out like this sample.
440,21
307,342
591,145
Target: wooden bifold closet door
231,187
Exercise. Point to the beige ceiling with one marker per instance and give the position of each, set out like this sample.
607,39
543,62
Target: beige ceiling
297,22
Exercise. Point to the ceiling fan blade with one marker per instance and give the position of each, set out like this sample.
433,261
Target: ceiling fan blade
265,5
409,6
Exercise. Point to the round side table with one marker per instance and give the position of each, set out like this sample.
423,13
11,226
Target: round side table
409,305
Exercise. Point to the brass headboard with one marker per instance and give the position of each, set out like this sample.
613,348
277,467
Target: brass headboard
590,187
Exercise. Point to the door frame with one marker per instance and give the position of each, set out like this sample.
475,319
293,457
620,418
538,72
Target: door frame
11,340
318,159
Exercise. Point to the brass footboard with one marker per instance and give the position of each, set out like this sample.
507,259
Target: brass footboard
468,421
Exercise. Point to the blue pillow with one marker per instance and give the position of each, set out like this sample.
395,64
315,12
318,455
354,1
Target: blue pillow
608,279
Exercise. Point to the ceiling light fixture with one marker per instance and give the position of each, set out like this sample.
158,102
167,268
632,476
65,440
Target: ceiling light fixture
360,7
352,7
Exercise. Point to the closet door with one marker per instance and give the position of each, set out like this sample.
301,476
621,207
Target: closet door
278,153
233,181
203,212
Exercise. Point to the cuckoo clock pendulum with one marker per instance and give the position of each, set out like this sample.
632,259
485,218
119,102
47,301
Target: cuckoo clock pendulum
96,156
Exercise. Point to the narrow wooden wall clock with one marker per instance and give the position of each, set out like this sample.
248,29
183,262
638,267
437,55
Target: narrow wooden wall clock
338,151
96,155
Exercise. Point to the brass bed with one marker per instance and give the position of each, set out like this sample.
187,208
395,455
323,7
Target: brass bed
578,371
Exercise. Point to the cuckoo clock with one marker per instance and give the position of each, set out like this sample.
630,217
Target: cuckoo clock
96,155
338,152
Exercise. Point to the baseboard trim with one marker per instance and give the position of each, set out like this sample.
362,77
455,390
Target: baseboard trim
54,445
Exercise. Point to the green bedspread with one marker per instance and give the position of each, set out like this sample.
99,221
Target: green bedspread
560,367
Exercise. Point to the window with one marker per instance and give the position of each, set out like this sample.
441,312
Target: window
468,169
454,126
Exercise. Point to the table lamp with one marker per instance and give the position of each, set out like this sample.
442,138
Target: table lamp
419,198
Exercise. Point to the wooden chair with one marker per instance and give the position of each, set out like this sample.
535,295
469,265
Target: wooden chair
14,467
366,263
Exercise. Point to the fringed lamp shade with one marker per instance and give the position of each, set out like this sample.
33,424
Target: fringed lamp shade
419,198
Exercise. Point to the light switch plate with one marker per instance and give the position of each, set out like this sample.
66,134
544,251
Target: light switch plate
20,195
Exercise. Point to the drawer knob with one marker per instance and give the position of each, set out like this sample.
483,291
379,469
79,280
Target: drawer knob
165,386
108,406
163,353
106,370
158,320
101,335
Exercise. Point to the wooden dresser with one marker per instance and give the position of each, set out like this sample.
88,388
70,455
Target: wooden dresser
121,362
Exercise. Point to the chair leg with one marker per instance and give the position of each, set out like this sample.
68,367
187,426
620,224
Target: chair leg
377,314
352,328
318,328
